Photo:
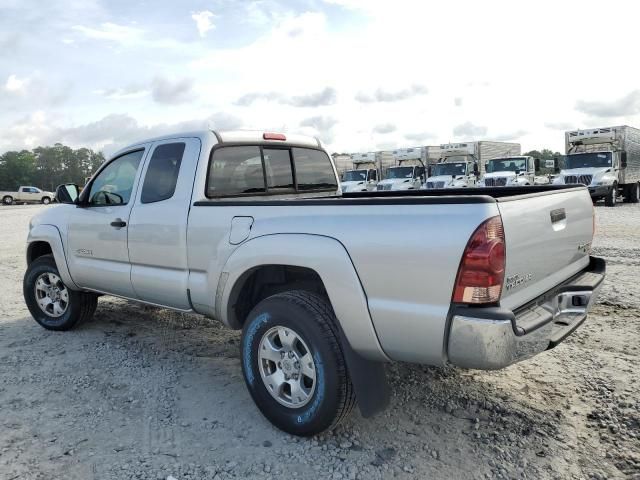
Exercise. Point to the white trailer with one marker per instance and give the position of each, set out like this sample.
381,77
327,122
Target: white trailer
363,175
408,172
607,160
461,164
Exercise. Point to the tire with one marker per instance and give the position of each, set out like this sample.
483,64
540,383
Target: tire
309,320
41,274
46,200
7,200
633,193
612,196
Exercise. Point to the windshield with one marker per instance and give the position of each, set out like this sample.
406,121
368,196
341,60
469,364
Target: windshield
449,169
582,160
507,165
354,176
400,172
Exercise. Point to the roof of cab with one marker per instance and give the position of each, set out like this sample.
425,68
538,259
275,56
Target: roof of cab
234,136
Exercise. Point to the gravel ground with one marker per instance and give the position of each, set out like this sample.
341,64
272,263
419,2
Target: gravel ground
150,394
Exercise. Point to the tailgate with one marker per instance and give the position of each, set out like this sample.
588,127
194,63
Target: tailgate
548,238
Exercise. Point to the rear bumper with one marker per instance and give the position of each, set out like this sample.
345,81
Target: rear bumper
490,338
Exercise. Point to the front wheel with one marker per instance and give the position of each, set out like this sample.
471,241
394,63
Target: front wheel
293,363
612,197
51,303
46,200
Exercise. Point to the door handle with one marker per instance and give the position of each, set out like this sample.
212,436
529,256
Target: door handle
118,223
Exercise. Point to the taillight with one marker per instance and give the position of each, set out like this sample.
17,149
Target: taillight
274,136
481,271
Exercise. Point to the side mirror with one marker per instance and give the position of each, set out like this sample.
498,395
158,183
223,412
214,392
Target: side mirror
623,159
536,165
517,172
67,193
476,170
556,165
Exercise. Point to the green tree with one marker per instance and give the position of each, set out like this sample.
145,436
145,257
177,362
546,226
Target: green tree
48,167
16,168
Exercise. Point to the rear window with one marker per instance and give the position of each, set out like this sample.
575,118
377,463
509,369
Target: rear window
277,165
235,171
251,170
313,169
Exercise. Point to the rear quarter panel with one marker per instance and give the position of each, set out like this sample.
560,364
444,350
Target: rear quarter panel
406,257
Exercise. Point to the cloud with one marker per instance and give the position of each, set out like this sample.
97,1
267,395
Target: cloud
457,101
327,96
110,133
509,136
165,91
419,137
468,129
381,95
559,125
123,93
384,128
15,84
321,125
625,106
110,32
318,122
204,21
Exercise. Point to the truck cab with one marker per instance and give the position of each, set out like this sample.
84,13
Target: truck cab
362,178
606,160
456,168
510,171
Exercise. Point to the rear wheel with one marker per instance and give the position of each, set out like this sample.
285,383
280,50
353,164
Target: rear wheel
632,194
612,197
7,200
293,364
51,303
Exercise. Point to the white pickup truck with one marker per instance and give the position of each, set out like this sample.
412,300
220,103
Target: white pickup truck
27,195
252,229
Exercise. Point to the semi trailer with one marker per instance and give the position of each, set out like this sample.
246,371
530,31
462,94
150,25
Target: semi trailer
364,175
607,160
461,164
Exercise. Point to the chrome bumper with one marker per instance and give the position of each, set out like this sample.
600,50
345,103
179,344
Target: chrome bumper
492,338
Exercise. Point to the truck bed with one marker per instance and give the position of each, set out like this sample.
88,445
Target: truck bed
406,197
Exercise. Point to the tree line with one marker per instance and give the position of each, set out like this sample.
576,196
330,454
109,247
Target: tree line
47,167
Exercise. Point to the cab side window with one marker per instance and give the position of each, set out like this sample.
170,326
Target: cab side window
162,173
114,184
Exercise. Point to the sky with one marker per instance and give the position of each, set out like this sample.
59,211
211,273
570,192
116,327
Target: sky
361,75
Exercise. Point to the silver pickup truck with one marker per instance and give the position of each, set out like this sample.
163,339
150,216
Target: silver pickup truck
252,229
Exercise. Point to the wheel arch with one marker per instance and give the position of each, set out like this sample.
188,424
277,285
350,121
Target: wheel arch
44,240
329,272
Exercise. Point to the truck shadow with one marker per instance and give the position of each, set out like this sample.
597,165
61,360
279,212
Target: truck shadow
176,381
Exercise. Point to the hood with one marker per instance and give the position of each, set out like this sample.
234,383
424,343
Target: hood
440,178
506,173
585,171
352,183
389,181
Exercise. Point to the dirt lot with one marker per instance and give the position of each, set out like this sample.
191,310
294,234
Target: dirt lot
150,394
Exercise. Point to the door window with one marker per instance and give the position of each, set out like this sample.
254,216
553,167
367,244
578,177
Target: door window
114,184
162,173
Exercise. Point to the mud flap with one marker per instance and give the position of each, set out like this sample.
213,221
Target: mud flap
369,379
